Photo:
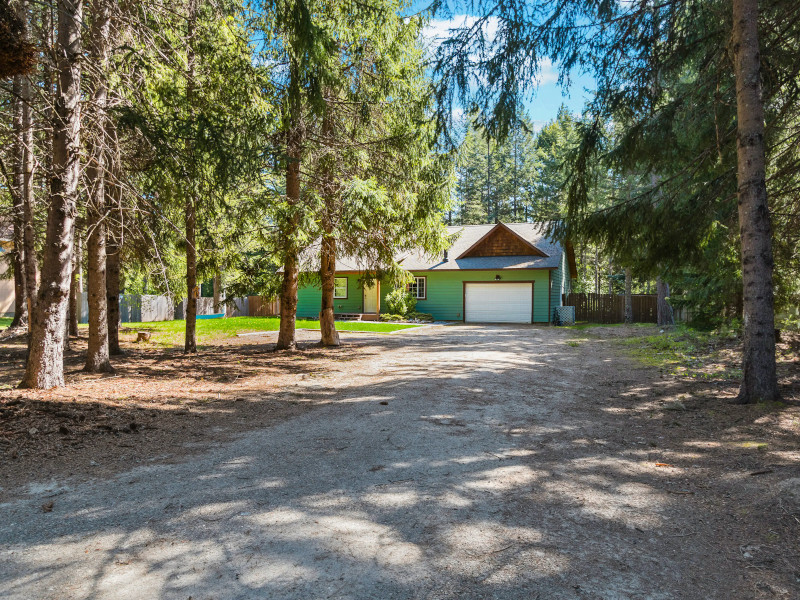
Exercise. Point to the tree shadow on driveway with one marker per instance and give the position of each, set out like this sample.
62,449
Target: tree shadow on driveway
484,463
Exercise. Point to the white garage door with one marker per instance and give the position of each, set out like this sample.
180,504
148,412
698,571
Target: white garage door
498,302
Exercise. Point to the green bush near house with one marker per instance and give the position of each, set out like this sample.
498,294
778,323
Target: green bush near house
420,316
391,317
400,302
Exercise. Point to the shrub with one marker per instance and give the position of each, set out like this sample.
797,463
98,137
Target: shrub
421,317
400,302
391,317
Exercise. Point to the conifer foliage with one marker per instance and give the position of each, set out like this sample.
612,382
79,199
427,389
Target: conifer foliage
681,90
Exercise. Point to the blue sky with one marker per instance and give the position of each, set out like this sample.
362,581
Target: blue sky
548,96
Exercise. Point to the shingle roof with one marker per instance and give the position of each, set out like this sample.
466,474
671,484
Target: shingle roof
466,237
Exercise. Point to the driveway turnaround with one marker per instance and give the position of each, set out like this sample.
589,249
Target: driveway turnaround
456,462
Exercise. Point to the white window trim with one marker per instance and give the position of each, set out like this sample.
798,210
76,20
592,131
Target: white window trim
346,288
425,287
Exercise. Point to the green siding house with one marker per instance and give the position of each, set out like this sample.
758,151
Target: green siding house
503,273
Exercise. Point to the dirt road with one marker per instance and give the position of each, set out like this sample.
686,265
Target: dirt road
455,462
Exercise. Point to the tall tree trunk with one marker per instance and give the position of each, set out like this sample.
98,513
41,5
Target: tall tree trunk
217,292
628,296
75,289
759,379
294,142
49,58
20,301
97,356
190,207
18,151
112,294
26,94
665,317
190,343
489,180
45,367
327,272
596,271
113,242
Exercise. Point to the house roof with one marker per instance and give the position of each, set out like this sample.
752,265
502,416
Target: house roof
465,238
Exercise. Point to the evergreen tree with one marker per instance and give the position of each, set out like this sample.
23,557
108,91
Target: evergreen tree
45,366
664,71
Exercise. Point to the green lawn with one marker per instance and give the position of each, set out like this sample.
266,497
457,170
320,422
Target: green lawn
5,322
170,333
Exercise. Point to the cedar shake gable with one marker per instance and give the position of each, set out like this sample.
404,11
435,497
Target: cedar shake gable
501,241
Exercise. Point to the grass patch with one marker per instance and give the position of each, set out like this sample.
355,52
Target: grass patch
5,322
573,343
685,351
170,333
754,445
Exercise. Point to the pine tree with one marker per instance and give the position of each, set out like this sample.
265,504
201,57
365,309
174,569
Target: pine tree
97,356
663,71
45,366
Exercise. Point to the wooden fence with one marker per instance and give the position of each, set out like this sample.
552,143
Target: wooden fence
262,307
610,308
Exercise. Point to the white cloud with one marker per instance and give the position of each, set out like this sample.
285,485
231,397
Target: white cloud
439,30
547,72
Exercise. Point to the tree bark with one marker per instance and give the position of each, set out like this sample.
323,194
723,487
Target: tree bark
628,296
97,356
327,272
45,366
759,379
190,210
18,151
112,294
190,343
26,94
329,193
665,317
114,231
217,293
75,288
288,299
596,270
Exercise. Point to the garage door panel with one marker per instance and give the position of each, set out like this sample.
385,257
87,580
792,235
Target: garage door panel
498,302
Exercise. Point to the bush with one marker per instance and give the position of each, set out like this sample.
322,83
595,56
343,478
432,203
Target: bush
400,302
421,317
391,317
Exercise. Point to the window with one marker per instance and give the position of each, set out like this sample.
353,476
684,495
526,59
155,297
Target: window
419,289
340,287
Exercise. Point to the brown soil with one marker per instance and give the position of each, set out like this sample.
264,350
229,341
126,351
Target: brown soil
160,404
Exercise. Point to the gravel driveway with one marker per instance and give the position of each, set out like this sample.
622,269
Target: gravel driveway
458,462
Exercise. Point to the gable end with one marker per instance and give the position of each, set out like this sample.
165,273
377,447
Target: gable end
501,241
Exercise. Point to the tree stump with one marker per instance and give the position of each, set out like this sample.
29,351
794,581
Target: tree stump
143,336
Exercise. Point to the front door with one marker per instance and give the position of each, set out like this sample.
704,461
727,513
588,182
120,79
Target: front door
371,298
